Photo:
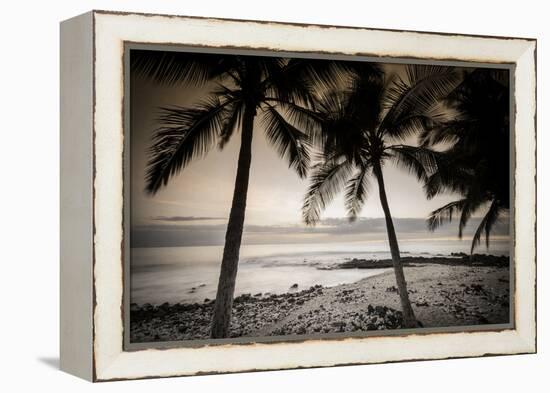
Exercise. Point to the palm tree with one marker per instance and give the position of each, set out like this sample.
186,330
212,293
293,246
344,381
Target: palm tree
476,161
358,126
237,89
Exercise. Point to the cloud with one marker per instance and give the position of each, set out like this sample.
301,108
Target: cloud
184,218
182,232
176,235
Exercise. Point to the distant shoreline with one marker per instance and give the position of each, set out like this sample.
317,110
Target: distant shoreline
444,291
455,259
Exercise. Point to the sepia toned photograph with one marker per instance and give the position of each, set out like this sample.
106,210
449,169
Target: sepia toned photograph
295,197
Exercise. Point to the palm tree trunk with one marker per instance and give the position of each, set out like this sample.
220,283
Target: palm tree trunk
230,262
409,320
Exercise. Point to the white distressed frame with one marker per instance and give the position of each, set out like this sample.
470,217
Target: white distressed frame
111,30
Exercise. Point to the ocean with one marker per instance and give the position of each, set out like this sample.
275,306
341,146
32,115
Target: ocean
190,274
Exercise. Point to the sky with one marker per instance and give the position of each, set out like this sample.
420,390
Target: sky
193,208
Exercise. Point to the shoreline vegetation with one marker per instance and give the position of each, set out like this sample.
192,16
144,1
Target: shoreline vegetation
456,290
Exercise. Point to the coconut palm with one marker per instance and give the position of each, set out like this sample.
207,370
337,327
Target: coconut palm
238,89
476,160
360,130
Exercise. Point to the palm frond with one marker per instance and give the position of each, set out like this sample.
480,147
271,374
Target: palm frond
327,180
304,80
473,202
419,161
185,134
326,73
364,100
286,83
486,225
289,142
225,93
444,213
271,65
357,191
306,119
231,122
446,132
171,67
411,102
454,175
341,131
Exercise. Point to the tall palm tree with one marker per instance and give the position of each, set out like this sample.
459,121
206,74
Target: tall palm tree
237,90
360,128
476,161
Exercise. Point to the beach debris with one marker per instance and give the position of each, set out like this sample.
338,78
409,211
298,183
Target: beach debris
294,286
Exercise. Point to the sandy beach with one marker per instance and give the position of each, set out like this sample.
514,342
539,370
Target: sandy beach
444,292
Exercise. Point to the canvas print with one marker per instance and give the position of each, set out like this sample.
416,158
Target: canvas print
291,197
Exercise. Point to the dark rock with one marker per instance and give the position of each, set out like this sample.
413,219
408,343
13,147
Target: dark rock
294,286
380,310
459,254
482,319
339,325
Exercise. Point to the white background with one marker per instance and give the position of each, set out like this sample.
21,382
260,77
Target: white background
29,196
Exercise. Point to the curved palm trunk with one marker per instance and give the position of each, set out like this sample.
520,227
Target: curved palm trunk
230,262
409,320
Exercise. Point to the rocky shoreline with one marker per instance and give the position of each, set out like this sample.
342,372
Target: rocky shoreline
455,259
444,292
254,314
